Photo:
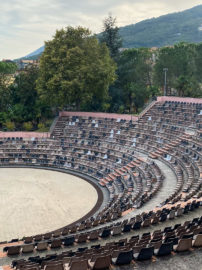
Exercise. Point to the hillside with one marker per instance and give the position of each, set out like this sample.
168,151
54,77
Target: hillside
165,30
158,32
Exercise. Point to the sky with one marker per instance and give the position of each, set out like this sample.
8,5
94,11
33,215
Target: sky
26,24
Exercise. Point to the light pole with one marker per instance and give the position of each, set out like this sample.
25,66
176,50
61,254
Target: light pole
165,81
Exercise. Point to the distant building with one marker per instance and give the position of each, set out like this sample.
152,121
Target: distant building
123,49
7,61
23,63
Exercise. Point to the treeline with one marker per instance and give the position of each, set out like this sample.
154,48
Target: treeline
141,75
20,105
79,72
140,72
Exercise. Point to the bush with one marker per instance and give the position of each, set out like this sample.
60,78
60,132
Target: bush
105,107
10,125
27,126
121,109
48,123
42,127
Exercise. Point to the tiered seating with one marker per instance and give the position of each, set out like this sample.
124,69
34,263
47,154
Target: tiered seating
176,151
66,238
176,113
120,185
107,150
178,238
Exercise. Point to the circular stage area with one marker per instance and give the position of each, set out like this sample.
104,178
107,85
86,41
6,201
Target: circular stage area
35,201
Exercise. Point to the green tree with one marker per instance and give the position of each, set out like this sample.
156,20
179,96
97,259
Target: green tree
111,37
134,77
188,87
7,70
75,70
198,61
182,69
24,97
182,84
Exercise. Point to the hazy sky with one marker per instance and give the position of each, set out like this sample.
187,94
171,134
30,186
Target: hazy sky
25,24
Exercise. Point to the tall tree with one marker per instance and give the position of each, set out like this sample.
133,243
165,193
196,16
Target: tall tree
134,76
111,37
198,61
75,69
7,70
182,69
24,96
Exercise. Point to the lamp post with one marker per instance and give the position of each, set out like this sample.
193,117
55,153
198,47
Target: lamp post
165,80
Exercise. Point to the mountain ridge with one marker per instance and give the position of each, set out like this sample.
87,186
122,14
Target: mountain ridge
164,30
36,52
184,26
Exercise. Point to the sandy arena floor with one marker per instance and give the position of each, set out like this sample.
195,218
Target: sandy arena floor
34,201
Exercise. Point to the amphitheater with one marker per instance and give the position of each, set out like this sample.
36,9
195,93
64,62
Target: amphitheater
105,191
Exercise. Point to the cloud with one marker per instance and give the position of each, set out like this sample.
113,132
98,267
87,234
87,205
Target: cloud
25,25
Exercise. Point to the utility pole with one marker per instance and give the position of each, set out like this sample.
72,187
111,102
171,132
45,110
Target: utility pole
165,81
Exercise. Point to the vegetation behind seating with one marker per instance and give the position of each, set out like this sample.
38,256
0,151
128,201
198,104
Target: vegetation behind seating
78,72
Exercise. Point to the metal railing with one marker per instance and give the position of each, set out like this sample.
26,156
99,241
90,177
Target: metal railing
53,125
147,106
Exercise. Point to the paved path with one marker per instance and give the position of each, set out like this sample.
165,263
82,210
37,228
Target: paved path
167,188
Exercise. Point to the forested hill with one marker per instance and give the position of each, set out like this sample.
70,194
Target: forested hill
165,30
158,32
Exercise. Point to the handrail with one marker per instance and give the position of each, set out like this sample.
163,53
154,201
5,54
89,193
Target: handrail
149,106
52,127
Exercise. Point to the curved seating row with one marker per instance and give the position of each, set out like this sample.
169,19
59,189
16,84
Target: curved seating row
179,238
107,149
